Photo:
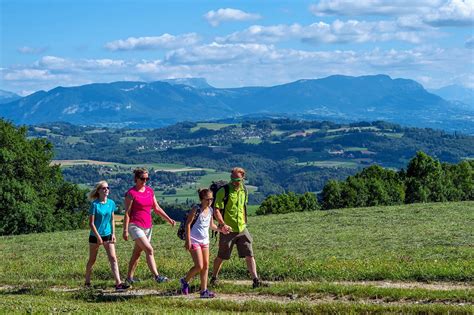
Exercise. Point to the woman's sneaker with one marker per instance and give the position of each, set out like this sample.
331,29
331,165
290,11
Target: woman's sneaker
132,280
122,287
161,279
206,294
184,286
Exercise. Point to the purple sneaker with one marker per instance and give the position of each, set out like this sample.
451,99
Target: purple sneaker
206,294
184,286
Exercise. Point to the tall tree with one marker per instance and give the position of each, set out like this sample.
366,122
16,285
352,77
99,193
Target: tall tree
33,195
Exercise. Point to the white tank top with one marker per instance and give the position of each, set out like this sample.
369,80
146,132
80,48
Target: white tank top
200,229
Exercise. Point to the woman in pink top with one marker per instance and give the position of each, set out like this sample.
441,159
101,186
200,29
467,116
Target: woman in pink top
137,223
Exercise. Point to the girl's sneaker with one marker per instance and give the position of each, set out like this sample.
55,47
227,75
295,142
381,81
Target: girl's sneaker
121,287
184,286
161,279
132,280
206,294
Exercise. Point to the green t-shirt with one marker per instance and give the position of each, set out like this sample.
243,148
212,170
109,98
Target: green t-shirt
234,215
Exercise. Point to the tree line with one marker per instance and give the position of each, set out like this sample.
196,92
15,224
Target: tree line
426,179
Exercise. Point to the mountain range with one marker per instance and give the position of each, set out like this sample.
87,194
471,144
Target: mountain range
160,103
7,97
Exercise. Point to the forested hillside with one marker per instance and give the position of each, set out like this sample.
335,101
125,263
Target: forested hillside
279,154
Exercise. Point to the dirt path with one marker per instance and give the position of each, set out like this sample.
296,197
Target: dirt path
313,298
435,286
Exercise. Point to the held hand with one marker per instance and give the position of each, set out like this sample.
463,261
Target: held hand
227,228
125,235
114,239
172,222
222,230
187,245
100,241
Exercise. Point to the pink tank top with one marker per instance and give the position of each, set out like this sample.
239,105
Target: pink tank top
140,213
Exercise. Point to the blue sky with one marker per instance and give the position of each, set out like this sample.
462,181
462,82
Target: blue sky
45,44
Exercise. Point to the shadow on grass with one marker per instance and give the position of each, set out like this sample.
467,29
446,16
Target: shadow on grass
94,295
23,291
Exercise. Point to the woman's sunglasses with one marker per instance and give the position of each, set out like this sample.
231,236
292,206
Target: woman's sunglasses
145,179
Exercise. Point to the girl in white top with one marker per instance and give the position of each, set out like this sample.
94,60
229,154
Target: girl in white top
197,242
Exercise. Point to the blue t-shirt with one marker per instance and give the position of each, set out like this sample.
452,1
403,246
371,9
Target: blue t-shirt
103,216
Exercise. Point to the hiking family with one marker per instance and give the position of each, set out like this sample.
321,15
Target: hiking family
227,204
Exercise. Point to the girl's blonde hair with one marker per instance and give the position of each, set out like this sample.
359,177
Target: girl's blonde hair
94,193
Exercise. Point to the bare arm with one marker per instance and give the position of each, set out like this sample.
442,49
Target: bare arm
218,216
161,212
189,220
112,222
224,228
94,229
126,219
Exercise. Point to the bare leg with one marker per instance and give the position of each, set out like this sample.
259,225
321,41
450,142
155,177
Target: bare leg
204,268
93,250
217,266
145,246
132,266
197,259
251,266
110,249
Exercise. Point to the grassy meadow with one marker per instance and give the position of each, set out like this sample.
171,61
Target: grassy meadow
323,261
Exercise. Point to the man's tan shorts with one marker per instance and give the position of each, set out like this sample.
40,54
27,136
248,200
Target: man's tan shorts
243,240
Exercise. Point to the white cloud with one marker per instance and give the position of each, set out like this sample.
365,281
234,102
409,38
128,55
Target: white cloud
70,65
31,50
437,13
469,43
372,7
165,41
29,75
216,17
230,65
453,13
216,53
351,31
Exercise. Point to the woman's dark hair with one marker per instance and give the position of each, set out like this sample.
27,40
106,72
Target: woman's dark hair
138,172
203,193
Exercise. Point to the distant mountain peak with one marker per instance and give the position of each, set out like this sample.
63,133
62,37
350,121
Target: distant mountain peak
197,83
7,96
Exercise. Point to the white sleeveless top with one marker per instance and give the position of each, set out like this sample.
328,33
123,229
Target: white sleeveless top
200,229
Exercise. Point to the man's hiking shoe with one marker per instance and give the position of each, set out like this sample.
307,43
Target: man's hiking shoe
132,280
206,294
214,281
256,283
161,279
122,287
184,286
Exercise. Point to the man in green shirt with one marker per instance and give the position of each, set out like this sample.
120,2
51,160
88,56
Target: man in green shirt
234,221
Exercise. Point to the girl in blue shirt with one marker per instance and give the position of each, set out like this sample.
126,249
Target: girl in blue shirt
102,224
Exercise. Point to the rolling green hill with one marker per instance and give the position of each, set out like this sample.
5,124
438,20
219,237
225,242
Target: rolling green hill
344,254
278,154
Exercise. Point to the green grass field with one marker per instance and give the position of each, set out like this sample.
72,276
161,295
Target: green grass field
190,192
211,126
345,164
399,259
